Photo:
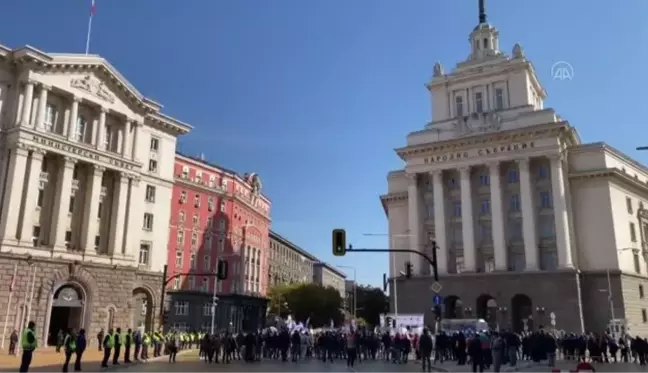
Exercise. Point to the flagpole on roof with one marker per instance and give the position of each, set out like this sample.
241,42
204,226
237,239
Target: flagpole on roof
92,12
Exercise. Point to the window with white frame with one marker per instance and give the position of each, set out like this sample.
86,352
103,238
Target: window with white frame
459,107
210,204
207,309
183,197
150,193
210,222
212,181
107,138
51,115
479,102
197,200
181,308
144,253
178,258
194,239
198,177
204,286
192,283
180,237
196,220
80,129
192,261
176,283
185,172
221,224
148,221
153,165
221,245
207,262
222,206
181,217
499,98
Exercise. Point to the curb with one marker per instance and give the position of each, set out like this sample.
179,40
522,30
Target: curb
113,368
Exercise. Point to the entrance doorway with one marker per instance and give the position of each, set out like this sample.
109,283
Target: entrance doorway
67,312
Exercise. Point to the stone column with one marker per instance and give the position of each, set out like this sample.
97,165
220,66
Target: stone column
31,195
561,219
13,194
120,139
90,219
74,115
467,220
118,215
440,233
126,146
497,217
66,121
413,209
528,217
62,201
101,130
136,129
42,107
134,219
27,103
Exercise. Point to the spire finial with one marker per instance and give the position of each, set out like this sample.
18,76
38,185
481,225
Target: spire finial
482,11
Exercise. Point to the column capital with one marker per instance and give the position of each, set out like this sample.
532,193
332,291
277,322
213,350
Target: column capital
69,161
555,158
38,154
464,169
523,163
98,169
30,82
20,150
45,87
103,110
76,99
411,177
435,173
493,165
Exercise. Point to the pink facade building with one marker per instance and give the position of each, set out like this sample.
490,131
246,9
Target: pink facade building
215,214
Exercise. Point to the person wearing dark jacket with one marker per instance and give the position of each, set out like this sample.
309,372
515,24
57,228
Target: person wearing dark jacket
81,344
425,350
476,354
128,340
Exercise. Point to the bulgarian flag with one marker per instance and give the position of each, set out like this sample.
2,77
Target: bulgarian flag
93,8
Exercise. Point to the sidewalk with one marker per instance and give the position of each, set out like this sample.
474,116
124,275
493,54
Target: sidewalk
47,360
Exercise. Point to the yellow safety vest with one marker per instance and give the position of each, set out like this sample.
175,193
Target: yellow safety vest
110,342
25,344
72,345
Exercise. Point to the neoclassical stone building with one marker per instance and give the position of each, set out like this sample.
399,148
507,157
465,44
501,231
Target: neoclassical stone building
533,227
86,177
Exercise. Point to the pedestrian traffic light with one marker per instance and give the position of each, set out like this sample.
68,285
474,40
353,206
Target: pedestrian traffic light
221,271
339,242
408,270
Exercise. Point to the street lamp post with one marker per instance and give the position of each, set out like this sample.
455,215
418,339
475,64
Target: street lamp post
214,304
609,286
355,290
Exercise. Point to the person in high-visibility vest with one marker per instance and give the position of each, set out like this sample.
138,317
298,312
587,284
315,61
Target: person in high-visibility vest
117,340
29,344
69,345
108,343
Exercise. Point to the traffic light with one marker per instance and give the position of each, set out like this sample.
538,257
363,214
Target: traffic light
339,242
408,270
385,283
437,312
221,271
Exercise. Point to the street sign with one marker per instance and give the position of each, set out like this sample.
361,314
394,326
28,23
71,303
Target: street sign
436,287
437,300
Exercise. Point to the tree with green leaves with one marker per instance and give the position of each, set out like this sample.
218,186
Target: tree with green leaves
303,301
371,303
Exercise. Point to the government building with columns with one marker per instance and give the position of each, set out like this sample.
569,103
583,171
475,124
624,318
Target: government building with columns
86,177
532,226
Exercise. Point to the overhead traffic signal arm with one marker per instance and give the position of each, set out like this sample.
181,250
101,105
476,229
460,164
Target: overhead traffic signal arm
429,260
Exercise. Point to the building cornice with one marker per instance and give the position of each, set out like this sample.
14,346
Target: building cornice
610,173
284,241
530,133
330,268
598,146
54,62
386,199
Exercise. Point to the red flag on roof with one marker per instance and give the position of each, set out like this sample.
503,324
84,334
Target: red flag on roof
93,8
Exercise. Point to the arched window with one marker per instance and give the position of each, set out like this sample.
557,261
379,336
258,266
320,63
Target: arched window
111,318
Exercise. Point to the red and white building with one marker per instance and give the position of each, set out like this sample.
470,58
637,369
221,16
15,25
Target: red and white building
216,213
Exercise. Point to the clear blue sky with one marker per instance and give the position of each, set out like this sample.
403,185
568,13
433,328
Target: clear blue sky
314,95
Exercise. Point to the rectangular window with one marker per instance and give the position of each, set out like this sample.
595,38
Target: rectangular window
36,231
183,197
430,210
180,237
633,234
197,200
548,260
80,129
39,201
144,254
210,204
97,242
99,210
484,207
150,193
153,165
71,205
543,173
207,263
181,308
484,179
155,144
51,115
222,206
457,209
479,102
499,99
207,309
176,283
514,203
545,200
178,258
629,205
636,262
459,106
513,176
148,222
515,231
68,236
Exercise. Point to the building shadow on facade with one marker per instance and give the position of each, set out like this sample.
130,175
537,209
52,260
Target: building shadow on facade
207,238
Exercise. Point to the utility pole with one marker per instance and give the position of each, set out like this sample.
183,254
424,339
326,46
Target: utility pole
214,304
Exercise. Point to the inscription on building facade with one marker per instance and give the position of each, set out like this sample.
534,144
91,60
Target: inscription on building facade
481,152
80,152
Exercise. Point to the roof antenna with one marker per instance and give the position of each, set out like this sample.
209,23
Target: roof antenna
202,156
482,11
